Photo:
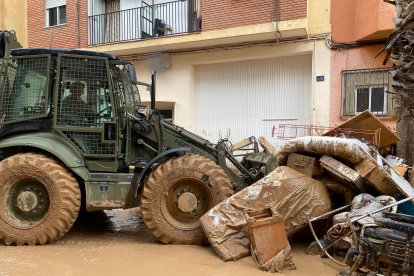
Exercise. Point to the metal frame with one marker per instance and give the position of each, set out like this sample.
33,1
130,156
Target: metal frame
350,222
180,15
61,129
348,107
384,111
5,64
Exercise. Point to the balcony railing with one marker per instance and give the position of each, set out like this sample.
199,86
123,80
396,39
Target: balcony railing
148,21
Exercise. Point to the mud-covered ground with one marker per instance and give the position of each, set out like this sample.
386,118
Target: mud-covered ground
118,243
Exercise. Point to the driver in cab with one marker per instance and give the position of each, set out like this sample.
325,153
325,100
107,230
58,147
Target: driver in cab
76,109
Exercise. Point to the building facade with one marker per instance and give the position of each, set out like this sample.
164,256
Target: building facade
225,68
359,79
13,16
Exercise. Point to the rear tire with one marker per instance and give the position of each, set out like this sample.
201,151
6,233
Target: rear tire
177,193
39,200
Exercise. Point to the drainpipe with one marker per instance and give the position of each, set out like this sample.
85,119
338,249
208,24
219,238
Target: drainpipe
190,14
78,21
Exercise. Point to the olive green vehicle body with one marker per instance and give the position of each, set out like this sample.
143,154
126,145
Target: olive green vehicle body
113,152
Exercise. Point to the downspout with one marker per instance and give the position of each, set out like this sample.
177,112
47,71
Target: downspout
275,18
78,21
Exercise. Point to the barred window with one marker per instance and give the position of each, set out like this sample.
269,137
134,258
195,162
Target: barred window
367,89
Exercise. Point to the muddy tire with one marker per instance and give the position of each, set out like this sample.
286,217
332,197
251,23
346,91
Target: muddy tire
177,193
39,200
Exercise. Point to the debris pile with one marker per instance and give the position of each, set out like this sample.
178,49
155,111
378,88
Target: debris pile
315,175
286,192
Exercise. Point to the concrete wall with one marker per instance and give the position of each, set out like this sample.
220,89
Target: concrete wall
354,20
177,84
319,12
13,16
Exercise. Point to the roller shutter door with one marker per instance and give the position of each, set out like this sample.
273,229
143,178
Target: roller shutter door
236,100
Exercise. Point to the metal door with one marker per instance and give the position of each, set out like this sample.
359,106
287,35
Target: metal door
86,118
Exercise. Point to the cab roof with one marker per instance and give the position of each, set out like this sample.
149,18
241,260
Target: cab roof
55,51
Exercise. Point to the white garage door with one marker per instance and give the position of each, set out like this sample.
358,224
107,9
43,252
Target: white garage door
236,100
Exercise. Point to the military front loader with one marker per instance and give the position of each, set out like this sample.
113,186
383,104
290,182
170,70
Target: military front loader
74,132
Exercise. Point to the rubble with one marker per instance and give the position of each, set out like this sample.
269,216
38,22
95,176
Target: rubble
292,194
368,123
314,175
367,161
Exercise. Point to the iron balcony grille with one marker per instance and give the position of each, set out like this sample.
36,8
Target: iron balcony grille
367,89
148,21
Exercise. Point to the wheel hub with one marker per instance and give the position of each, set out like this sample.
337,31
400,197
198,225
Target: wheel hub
188,198
187,202
27,201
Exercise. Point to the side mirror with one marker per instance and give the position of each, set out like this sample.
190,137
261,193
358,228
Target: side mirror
152,89
132,73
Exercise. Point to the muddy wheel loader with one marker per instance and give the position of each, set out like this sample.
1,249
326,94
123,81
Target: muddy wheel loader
73,131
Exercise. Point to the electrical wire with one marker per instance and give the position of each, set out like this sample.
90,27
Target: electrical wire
348,45
270,43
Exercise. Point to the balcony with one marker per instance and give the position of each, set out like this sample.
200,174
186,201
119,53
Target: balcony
132,27
147,21
356,20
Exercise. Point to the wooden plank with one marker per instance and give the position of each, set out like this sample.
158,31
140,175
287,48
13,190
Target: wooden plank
367,121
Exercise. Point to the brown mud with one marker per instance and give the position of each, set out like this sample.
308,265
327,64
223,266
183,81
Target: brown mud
118,243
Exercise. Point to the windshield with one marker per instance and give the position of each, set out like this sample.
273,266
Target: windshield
127,92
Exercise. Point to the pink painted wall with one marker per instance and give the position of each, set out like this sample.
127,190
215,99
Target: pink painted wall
350,59
355,20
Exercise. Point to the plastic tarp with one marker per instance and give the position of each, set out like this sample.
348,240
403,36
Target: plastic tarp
352,150
286,191
281,261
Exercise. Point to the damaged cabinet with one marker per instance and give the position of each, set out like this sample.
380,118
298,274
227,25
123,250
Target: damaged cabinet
267,234
342,172
307,165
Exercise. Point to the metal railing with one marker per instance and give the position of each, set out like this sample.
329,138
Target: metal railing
148,21
367,89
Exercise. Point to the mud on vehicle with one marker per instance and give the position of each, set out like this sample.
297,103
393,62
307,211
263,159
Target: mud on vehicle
73,130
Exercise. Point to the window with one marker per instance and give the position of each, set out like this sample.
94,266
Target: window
55,12
167,114
367,89
24,93
371,98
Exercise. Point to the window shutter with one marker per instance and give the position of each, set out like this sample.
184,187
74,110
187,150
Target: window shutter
54,3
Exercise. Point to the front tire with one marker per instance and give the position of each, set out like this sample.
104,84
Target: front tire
177,193
39,200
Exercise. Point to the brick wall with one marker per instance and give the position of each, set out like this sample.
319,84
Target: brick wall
222,14
63,36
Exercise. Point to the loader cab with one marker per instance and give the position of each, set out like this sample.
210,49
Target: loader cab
85,95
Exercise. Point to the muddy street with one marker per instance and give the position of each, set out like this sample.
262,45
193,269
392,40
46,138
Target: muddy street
118,243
